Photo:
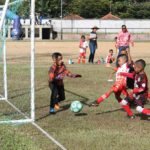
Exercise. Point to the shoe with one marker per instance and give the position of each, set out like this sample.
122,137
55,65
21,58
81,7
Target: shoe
131,117
94,104
57,107
52,111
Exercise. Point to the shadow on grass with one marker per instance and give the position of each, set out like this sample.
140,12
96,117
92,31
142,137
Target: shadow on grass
26,92
109,111
143,117
85,99
40,118
63,108
81,114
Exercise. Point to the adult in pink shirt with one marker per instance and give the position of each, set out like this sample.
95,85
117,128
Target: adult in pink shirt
124,39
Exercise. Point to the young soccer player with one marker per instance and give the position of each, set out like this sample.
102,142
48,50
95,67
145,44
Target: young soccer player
140,90
110,58
83,46
119,86
56,74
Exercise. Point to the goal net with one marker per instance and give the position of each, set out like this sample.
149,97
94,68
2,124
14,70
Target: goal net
16,64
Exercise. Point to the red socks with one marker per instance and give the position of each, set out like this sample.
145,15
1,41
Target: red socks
146,111
128,110
104,96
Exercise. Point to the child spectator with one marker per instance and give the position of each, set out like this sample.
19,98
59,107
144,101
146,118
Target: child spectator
110,58
140,90
83,46
56,74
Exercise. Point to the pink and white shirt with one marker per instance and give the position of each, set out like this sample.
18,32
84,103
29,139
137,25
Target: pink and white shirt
83,46
119,78
124,39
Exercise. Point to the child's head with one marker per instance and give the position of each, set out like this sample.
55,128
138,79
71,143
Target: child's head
57,58
123,51
111,51
124,28
83,38
122,59
139,65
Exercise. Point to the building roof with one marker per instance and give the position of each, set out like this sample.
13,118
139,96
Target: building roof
109,16
73,17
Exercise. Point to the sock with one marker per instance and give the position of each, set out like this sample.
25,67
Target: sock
104,96
146,111
126,107
148,95
127,110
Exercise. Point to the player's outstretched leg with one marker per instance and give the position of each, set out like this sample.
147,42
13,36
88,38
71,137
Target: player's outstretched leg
142,110
101,98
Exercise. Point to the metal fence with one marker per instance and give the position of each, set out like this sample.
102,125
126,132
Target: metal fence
108,34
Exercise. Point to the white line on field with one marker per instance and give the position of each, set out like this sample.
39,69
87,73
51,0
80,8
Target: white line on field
38,127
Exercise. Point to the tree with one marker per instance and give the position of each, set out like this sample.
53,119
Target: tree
89,8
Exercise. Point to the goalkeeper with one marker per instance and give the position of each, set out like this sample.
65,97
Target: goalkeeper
56,74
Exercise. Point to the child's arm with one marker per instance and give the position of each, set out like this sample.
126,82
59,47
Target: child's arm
80,45
129,75
69,74
51,73
131,40
129,57
142,86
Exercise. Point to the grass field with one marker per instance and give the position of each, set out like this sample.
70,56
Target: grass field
102,128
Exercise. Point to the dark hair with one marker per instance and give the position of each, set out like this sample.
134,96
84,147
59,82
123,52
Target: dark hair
124,26
141,62
82,36
56,55
123,49
123,56
111,50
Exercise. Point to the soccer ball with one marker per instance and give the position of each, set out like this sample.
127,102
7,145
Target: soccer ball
76,106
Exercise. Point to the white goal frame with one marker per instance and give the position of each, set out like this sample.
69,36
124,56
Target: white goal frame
32,66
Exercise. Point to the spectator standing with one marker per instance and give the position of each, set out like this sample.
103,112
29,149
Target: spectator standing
124,39
93,43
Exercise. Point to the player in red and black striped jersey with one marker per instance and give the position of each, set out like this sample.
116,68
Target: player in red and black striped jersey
140,90
56,73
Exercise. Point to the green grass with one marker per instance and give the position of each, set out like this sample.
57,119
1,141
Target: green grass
102,128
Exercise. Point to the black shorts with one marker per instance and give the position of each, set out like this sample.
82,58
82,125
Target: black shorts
138,99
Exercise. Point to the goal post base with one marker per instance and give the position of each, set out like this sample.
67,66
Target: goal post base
20,121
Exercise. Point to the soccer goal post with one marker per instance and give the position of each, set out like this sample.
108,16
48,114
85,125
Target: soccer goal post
17,69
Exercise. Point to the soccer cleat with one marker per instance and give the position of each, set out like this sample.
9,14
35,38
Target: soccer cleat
57,107
52,111
94,104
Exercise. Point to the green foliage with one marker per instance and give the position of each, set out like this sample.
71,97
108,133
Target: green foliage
89,8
